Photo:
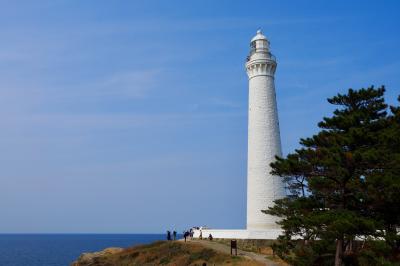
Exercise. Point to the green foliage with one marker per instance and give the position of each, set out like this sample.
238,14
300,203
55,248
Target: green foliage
204,254
344,185
165,260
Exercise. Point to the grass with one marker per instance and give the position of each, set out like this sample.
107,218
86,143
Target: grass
166,253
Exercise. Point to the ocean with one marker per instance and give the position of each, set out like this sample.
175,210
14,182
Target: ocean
61,249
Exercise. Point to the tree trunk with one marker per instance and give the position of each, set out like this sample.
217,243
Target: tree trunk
339,252
351,246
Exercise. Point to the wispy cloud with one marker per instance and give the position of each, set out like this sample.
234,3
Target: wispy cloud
125,84
225,103
316,63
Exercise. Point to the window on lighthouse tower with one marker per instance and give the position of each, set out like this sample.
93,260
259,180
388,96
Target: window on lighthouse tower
253,46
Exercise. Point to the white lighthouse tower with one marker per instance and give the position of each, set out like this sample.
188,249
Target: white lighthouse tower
264,144
264,141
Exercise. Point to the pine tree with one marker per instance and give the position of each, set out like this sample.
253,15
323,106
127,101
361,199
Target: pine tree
343,185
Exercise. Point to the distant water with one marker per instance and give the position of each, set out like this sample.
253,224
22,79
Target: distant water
61,249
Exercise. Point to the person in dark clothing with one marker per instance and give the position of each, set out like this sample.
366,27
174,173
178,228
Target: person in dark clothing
191,233
210,237
185,235
168,235
174,233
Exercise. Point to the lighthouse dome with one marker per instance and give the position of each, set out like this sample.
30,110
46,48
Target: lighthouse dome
259,36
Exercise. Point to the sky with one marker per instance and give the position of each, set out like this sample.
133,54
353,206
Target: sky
131,116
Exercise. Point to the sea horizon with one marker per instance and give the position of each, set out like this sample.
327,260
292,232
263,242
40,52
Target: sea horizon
56,249
84,233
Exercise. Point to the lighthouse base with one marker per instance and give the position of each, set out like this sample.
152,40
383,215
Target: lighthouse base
270,234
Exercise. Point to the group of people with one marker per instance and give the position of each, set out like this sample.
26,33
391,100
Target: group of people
210,237
169,237
186,234
189,233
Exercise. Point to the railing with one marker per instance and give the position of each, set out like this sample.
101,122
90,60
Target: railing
269,55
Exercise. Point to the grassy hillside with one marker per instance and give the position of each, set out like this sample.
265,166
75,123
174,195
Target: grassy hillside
161,253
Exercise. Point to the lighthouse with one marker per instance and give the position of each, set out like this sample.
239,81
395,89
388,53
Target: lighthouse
264,141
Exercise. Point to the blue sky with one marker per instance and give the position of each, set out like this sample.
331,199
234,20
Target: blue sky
131,116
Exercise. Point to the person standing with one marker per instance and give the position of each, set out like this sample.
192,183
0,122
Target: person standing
174,233
168,235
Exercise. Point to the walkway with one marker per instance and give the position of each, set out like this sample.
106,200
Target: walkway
226,249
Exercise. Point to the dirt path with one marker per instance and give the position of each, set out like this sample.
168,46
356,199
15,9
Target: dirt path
225,249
